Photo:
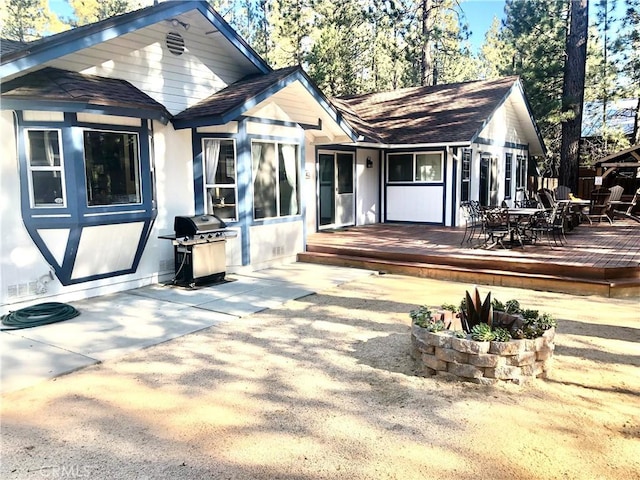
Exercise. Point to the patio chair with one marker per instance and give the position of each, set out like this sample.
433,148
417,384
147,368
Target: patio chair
616,193
618,208
550,224
599,206
498,226
562,192
473,220
545,198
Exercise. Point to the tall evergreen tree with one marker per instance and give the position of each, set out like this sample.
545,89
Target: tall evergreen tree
335,61
496,54
535,33
573,93
291,24
27,20
90,11
629,42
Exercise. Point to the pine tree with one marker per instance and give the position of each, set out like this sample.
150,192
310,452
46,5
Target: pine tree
27,20
629,44
90,11
535,33
573,93
496,54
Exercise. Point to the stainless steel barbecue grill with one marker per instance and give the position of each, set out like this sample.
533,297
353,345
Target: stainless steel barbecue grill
199,249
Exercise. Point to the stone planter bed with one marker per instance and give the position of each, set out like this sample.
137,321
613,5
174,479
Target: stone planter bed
516,361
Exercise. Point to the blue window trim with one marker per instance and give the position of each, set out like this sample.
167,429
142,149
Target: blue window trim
77,214
442,184
245,181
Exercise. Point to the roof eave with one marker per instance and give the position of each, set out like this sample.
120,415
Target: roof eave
238,110
86,107
72,41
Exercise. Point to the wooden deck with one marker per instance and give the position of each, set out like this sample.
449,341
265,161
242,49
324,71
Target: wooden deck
597,260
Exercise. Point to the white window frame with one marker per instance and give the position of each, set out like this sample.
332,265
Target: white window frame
209,207
521,168
47,168
414,167
508,175
138,170
276,144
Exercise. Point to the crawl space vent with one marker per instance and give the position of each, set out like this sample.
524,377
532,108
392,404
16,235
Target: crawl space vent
175,43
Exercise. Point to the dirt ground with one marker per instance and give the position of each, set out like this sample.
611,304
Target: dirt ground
324,388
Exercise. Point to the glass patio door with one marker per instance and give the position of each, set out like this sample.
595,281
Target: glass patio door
488,181
336,190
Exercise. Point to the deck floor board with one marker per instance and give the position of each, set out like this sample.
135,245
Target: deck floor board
593,252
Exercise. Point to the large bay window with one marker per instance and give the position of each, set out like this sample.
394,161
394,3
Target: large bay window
415,167
220,182
276,179
46,173
112,167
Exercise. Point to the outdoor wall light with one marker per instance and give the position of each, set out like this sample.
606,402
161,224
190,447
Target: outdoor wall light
369,162
175,22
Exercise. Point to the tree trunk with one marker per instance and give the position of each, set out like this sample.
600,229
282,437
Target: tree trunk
635,138
426,64
573,93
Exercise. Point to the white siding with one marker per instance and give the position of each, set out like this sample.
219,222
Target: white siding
415,203
143,59
275,242
367,208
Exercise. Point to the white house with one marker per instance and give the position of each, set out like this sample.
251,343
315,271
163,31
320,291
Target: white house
111,130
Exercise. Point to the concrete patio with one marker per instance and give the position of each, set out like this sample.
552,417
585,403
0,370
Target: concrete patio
114,325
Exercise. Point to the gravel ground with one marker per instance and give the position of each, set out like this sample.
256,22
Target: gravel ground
324,388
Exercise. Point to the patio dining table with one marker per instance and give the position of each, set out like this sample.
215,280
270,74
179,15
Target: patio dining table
520,216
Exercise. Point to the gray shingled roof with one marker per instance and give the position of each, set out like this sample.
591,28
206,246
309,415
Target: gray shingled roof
235,95
421,115
8,47
55,85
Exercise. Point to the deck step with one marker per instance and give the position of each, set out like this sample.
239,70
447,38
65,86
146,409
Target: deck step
620,287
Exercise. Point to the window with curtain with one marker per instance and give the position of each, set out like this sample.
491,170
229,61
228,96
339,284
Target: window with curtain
428,167
276,179
415,167
220,179
46,174
508,168
112,168
466,175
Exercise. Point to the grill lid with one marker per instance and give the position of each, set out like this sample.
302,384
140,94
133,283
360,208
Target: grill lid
199,224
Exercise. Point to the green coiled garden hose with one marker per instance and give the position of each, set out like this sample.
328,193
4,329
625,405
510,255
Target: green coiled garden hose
36,315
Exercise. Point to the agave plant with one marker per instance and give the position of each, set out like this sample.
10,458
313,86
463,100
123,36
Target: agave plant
475,311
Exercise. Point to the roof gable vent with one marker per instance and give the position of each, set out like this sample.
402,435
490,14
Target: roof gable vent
175,43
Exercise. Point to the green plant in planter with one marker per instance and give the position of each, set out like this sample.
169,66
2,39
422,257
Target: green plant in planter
450,307
460,334
501,334
423,317
481,332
